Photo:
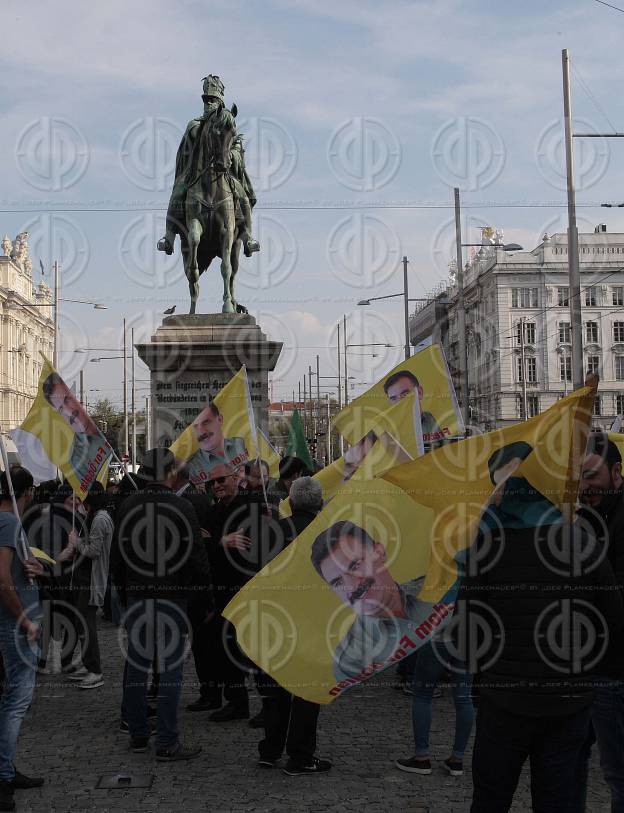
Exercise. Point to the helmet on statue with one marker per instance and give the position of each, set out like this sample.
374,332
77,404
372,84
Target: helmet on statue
214,87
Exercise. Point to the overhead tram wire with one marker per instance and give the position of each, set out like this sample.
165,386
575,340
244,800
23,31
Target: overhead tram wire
616,8
587,91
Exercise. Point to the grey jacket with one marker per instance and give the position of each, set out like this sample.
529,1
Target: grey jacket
97,548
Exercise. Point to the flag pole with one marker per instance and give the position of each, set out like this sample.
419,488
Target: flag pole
7,469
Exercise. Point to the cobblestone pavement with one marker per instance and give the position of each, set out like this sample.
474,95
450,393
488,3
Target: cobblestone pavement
72,737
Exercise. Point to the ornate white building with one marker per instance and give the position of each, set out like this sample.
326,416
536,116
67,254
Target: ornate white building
26,329
517,315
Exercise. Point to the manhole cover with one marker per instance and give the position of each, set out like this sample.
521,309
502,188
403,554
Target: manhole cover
118,781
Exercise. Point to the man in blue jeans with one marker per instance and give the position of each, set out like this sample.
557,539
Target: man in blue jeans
158,562
602,497
20,614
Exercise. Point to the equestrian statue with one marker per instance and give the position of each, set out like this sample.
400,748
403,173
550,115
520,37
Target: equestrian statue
212,197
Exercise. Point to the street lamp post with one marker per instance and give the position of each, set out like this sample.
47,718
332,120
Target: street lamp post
406,301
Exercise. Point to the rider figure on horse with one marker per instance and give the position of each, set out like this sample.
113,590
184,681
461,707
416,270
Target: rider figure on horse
188,169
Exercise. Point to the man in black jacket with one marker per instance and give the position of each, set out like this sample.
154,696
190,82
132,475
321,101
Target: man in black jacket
240,532
535,627
602,496
289,721
159,562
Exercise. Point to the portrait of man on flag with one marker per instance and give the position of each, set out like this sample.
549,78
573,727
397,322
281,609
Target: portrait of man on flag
212,445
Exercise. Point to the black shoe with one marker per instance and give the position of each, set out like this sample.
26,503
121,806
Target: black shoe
204,704
316,765
178,752
151,721
257,721
267,763
21,782
230,712
6,795
415,765
454,766
151,712
139,744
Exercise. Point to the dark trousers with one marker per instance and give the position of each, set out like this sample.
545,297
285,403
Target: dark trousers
226,666
504,741
289,723
89,645
156,628
203,654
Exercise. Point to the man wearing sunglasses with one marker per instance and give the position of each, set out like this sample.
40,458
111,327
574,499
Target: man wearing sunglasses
239,529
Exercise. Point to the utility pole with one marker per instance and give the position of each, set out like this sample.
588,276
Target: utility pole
523,364
125,390
330,456
406,308
318,396
574,276
82,400
339,376
312,426
148,425
57,287
134,457
346,375
461,314
305,407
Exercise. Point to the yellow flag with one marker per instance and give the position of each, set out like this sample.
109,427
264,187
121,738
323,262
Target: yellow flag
377,571
59,433
425,373
377,452
223,432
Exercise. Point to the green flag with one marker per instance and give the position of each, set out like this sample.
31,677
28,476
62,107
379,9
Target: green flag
297,445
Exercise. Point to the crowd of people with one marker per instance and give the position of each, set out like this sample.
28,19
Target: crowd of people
163,558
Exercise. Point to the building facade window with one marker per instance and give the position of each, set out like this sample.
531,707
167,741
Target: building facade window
530,363
591,332
524,297
617,295
597,405
565,368
619,404
590,297
619,368
618,331
564,333
529,332
563,298
593,364
532,405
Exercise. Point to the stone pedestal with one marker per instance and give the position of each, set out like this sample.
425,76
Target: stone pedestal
192,357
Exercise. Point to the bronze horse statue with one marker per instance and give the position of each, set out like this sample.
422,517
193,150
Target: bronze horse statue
211,228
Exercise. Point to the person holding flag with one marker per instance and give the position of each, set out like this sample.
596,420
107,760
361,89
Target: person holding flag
20,626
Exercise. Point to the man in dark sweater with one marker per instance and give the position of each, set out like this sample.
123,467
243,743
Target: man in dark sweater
159,562
602,496
289,721
535,627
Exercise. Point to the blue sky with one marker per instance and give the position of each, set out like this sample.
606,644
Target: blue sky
350,110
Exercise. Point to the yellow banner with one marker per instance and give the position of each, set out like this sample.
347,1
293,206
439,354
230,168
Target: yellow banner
377,452
378,570
223,432
425,373
58,432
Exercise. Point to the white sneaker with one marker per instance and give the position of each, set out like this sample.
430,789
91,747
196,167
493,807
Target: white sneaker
75,674
91,681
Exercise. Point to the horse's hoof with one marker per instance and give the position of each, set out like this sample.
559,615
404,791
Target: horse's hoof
164,245
228,307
